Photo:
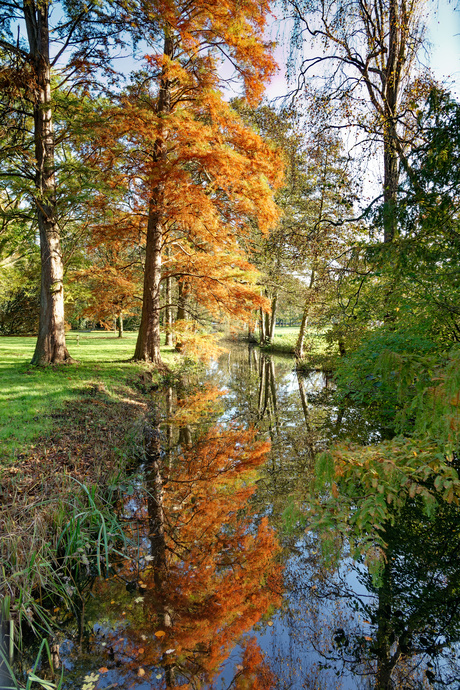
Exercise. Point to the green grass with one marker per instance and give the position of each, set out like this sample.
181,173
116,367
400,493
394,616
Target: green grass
285,340
29,396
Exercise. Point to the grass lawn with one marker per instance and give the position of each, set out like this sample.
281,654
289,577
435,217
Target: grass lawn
285,340
31,397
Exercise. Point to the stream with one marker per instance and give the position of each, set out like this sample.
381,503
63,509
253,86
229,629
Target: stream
227,588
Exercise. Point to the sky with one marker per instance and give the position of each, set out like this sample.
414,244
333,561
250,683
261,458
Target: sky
444,34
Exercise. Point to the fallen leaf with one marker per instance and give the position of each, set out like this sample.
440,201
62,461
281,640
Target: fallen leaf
160,633
103,670
170,651
141,672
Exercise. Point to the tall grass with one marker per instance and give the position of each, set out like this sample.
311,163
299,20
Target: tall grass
50,549
67,435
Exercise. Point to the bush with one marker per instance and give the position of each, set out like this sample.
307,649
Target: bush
19,313
386,371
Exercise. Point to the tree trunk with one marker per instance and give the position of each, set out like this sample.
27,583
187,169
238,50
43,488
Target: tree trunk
181,311
267,328
390,184
120,324
271,332
181,302
148,340
300,344
168,307
396,57
263,336
50,347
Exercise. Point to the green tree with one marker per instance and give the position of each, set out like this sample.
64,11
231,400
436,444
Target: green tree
80,37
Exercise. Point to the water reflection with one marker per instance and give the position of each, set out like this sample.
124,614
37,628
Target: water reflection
401,631
207,568
228,586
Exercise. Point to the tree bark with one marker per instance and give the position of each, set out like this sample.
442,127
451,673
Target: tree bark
263,336
267,328
168,307
148,340
181,311
120,324
396,59
51,346
300,344
271,333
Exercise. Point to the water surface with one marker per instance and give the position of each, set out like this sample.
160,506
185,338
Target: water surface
226,585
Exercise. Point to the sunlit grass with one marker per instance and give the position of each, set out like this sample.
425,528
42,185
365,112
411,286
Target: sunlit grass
29,396
285,340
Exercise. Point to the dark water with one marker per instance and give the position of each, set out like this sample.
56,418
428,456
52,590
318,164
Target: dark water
226,586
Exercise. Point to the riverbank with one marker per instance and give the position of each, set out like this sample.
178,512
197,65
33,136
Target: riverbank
69,434
319,353
30,397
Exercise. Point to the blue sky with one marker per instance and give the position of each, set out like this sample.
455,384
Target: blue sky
444,35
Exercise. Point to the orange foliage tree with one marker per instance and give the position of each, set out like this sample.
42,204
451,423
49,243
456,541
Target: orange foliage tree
196,175
113,279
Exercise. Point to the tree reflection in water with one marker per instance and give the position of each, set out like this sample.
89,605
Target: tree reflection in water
209,566
396,626
194,611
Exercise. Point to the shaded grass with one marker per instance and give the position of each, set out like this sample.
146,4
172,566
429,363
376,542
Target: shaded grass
30,396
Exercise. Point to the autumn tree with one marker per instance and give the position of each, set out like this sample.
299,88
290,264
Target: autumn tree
275,254
113,278
371,49
200,160
303,254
